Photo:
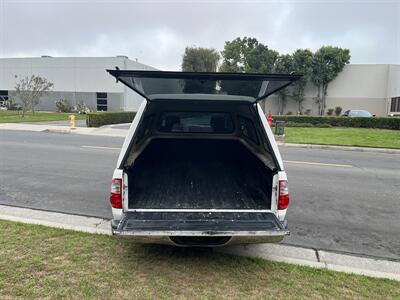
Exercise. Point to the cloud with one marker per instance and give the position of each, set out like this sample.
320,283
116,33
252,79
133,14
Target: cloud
157,32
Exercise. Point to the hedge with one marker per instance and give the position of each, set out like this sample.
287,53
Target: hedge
97,119
373,122
295,124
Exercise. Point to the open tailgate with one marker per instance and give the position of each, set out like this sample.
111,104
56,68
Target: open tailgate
235,225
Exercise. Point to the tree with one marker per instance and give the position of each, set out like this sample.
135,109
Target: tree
328,62
302,64
283,65
200,60
30,89
249,56
196,59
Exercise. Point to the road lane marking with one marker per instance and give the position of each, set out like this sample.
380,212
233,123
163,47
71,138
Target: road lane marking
316,163
100,147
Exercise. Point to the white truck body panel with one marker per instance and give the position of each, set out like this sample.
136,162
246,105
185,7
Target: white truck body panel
270,136
131,132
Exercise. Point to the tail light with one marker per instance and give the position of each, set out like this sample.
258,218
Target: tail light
283,195
116,193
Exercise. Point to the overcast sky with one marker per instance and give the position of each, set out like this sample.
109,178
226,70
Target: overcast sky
157,32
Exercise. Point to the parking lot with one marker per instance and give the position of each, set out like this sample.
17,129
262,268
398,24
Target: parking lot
340,200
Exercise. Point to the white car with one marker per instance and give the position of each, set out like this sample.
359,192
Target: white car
200,165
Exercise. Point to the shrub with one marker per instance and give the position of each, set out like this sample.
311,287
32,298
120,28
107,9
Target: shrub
338,110
374,122
11,104
330,111
289,113
63,106
97,119
307,112
81,108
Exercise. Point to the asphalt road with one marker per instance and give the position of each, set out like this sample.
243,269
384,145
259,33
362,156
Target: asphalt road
340,200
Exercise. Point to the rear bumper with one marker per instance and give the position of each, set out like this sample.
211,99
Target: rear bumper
195,241
212,231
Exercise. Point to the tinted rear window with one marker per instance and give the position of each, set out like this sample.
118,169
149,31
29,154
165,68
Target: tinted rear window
153,83
205,122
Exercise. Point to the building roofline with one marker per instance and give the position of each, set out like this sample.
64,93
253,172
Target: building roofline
70,57
50,58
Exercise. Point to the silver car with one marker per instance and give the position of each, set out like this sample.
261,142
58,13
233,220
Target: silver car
357,113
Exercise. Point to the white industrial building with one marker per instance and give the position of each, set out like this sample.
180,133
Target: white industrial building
371,87
75,79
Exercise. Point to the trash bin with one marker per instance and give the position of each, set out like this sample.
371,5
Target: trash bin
279,127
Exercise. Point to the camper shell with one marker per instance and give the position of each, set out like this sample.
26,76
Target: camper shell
200,165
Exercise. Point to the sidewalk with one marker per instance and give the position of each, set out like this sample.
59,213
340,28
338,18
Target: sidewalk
316,258
108,130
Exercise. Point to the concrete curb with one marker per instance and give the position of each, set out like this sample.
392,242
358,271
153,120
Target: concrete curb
322,259
345,148
54,219
330,260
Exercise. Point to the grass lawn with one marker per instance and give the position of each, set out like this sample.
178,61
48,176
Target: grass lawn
362,137
10,116
42,262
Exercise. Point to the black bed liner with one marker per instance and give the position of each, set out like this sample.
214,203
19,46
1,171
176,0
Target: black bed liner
198,174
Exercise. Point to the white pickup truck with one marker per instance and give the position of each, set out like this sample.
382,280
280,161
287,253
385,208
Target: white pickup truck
200,165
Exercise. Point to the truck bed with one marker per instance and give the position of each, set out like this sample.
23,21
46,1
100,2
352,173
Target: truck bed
198,174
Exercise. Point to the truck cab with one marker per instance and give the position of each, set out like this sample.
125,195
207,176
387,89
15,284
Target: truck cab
200,165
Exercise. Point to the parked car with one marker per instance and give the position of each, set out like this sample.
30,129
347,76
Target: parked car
200,166
357,113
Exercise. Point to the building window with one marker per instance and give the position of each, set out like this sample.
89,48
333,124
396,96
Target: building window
395,105
3,98
101,101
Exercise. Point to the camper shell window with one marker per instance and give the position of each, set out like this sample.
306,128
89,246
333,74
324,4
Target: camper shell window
192,122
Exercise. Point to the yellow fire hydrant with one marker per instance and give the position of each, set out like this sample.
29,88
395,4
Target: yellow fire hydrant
71,121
